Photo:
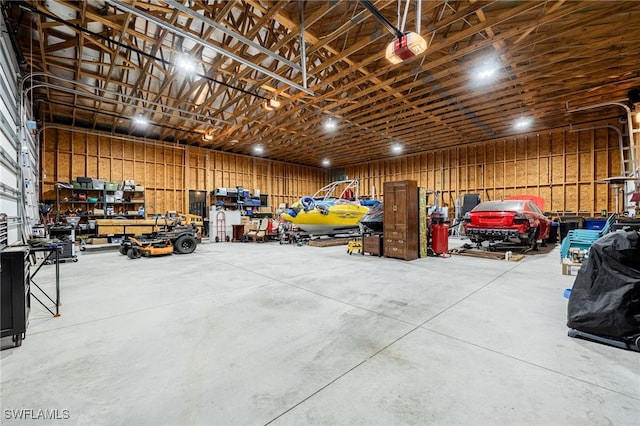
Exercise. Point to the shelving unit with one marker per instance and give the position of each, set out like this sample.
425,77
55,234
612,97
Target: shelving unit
99,203
237,198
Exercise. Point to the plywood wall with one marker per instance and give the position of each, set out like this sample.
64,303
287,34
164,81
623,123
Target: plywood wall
562,166
168,171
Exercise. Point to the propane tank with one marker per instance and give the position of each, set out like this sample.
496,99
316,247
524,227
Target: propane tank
440,235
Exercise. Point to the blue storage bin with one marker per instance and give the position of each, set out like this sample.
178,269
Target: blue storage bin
594,223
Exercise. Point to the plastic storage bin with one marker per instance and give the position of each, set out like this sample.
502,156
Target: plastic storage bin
595,223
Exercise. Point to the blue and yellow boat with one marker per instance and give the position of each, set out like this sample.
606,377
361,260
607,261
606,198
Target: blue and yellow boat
335,208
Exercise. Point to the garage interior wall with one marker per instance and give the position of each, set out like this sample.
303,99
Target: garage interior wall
19,154
563,166
168,171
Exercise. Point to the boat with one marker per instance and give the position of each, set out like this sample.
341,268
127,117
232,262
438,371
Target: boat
373,220
335,208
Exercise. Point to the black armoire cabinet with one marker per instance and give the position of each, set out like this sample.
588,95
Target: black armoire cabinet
16,295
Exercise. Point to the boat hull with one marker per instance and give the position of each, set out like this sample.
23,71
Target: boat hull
331,219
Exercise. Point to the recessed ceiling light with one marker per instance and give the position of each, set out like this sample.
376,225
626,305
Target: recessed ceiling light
326,162
258,149
396,148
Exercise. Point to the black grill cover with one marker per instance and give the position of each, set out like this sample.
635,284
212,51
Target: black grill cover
605,298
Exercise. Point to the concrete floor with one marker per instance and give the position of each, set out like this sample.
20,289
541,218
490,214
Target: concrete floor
254,334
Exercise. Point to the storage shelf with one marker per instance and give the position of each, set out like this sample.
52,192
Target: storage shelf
136,196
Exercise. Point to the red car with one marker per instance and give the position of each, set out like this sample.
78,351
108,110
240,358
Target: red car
514,220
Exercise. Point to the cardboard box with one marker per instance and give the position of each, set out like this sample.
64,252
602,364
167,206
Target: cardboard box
245,220
98,241
139,188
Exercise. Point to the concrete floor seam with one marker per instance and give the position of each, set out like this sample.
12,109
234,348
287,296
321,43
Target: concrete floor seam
468,295
344,374
528,362
380,350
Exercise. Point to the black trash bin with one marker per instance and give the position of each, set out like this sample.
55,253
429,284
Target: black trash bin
567,223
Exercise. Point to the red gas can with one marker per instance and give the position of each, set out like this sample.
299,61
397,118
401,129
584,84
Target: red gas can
440,238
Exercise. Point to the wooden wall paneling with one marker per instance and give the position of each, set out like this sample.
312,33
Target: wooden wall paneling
64,170
489,178
585,202
117,172
545,192
63,140
532,170
92,145
560,166
601,165
128,168
571,198
150,169
78,165
217,170
602,198
498,177
519,177
571,168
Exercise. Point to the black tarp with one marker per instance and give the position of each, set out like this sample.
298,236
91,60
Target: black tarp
605,298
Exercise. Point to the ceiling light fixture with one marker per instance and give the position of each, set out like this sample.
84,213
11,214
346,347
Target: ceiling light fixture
330,125
140,120
522,123
185,63
326,162
271,104
258,149
396,149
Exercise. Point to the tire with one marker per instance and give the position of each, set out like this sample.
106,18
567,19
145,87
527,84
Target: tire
123,250
185,244
134,253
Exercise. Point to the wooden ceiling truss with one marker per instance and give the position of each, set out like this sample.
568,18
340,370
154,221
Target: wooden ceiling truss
99,63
